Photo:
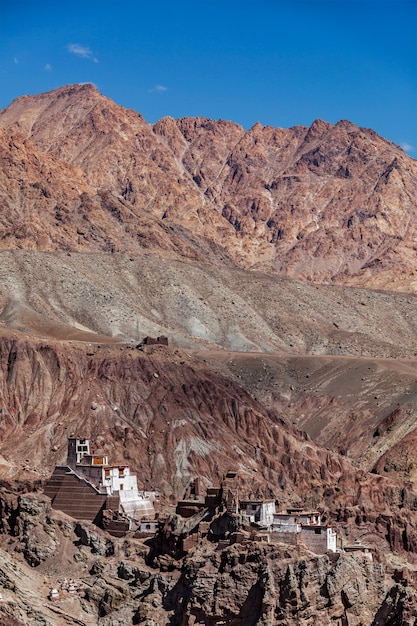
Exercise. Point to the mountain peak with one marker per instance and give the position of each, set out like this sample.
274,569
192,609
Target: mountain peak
322,203
75,89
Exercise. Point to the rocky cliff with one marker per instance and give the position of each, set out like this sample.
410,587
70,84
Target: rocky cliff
111,581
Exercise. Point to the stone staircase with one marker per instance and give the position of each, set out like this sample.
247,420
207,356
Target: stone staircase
74,495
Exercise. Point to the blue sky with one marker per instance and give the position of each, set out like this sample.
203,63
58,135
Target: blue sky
279,62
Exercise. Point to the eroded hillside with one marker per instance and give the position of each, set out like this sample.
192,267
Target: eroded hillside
280,265
171,417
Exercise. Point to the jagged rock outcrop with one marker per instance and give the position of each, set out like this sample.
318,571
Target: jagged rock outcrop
253,583
265,586
398,608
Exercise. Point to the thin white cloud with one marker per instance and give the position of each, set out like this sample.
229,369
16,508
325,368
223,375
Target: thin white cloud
48,67
407,147
16,61
158,89
81,51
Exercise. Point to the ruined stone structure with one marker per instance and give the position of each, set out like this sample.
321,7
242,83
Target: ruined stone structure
155,341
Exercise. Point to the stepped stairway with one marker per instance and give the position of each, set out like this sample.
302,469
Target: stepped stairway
74,495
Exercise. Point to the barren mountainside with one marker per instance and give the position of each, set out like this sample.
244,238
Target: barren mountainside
280,264
321,203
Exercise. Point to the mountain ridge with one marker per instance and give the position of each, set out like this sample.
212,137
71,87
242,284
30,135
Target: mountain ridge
265,195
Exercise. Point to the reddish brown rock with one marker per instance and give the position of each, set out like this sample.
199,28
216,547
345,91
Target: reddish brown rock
321,203
114,229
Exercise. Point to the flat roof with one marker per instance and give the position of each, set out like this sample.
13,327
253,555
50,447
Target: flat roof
300,512
313,526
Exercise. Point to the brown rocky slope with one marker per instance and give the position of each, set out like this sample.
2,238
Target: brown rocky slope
321,203
171,418
319,356
243,584
111,229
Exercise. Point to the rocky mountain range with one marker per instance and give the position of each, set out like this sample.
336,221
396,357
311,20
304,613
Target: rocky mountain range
280,264
325,203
